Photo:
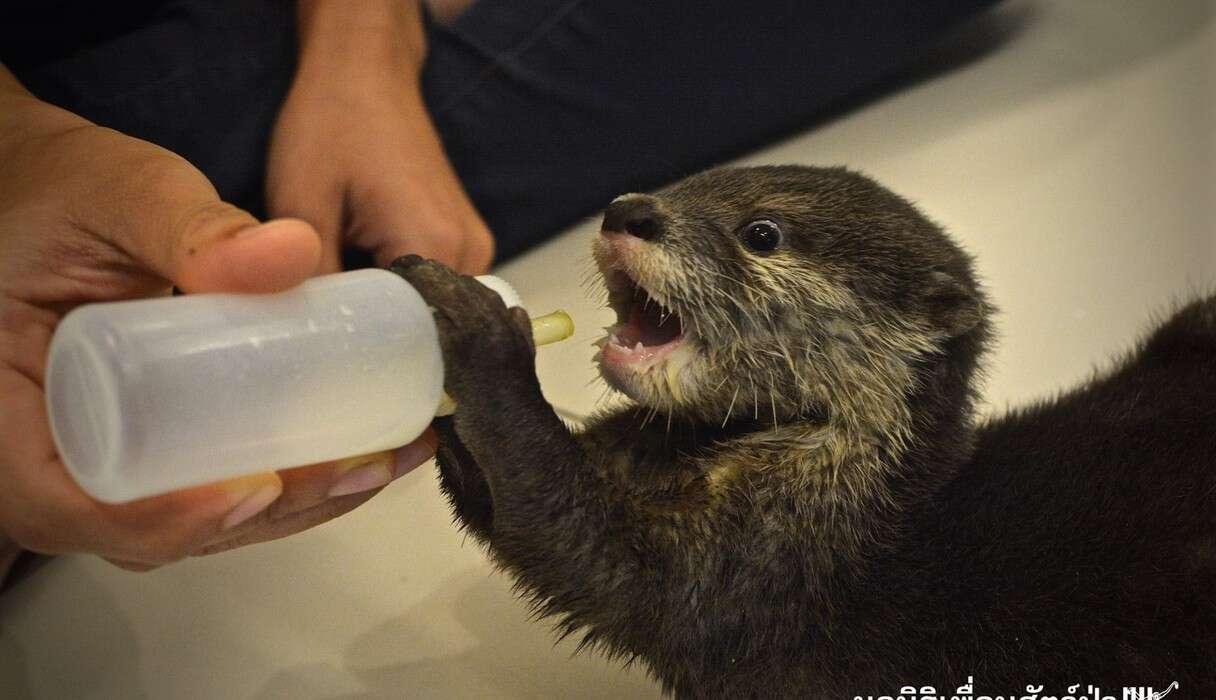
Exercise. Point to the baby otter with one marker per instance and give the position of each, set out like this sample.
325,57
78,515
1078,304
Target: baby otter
801,503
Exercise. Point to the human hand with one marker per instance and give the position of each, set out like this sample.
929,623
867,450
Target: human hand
87,214
354,152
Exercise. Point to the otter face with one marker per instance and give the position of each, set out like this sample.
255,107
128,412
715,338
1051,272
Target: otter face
777,292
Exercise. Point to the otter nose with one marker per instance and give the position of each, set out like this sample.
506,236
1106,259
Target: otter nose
636,216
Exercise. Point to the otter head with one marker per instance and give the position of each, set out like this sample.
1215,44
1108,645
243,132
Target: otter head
780,293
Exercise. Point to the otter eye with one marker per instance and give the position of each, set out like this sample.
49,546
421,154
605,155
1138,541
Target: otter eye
761,236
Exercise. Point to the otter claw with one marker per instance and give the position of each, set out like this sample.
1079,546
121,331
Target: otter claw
478,335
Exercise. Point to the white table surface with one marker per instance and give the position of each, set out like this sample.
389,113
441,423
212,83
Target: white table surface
1076,160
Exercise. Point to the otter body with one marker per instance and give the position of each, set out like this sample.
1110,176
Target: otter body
801,504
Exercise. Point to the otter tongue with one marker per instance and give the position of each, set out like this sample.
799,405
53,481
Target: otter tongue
649,324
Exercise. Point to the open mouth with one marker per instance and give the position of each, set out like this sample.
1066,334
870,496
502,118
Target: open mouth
646,330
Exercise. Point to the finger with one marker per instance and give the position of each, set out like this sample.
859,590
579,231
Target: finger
307,488
166,214
391,224
45,511
165,528
269,257
41,504
273,529
478,254
146,533
304,196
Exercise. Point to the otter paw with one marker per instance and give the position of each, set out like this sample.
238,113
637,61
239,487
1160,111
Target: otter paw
480,337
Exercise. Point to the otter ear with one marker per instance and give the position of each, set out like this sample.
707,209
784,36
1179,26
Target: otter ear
952,307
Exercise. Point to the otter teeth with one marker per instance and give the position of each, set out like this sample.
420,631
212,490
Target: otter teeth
609,339
648,328
616,350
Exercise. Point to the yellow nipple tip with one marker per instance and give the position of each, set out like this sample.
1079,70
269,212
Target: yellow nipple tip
551,328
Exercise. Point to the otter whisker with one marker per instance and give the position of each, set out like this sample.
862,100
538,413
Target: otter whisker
772,401
731,407
755,401
650,415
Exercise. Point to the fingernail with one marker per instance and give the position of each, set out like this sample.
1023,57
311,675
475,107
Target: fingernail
252,505
406,459
372,476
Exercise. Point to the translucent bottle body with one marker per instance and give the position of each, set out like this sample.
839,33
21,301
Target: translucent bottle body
154,395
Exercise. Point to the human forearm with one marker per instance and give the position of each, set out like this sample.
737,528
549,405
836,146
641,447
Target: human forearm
340,39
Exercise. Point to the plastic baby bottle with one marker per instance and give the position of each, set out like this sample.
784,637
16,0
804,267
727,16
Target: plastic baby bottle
154,395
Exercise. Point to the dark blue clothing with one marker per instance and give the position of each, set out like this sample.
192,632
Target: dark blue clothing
547,108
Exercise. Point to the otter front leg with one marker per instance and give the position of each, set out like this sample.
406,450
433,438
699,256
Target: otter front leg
489,359
461,480
554,522
502,425
460,476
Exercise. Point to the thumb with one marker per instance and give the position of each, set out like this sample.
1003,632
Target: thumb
171,219
222,254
